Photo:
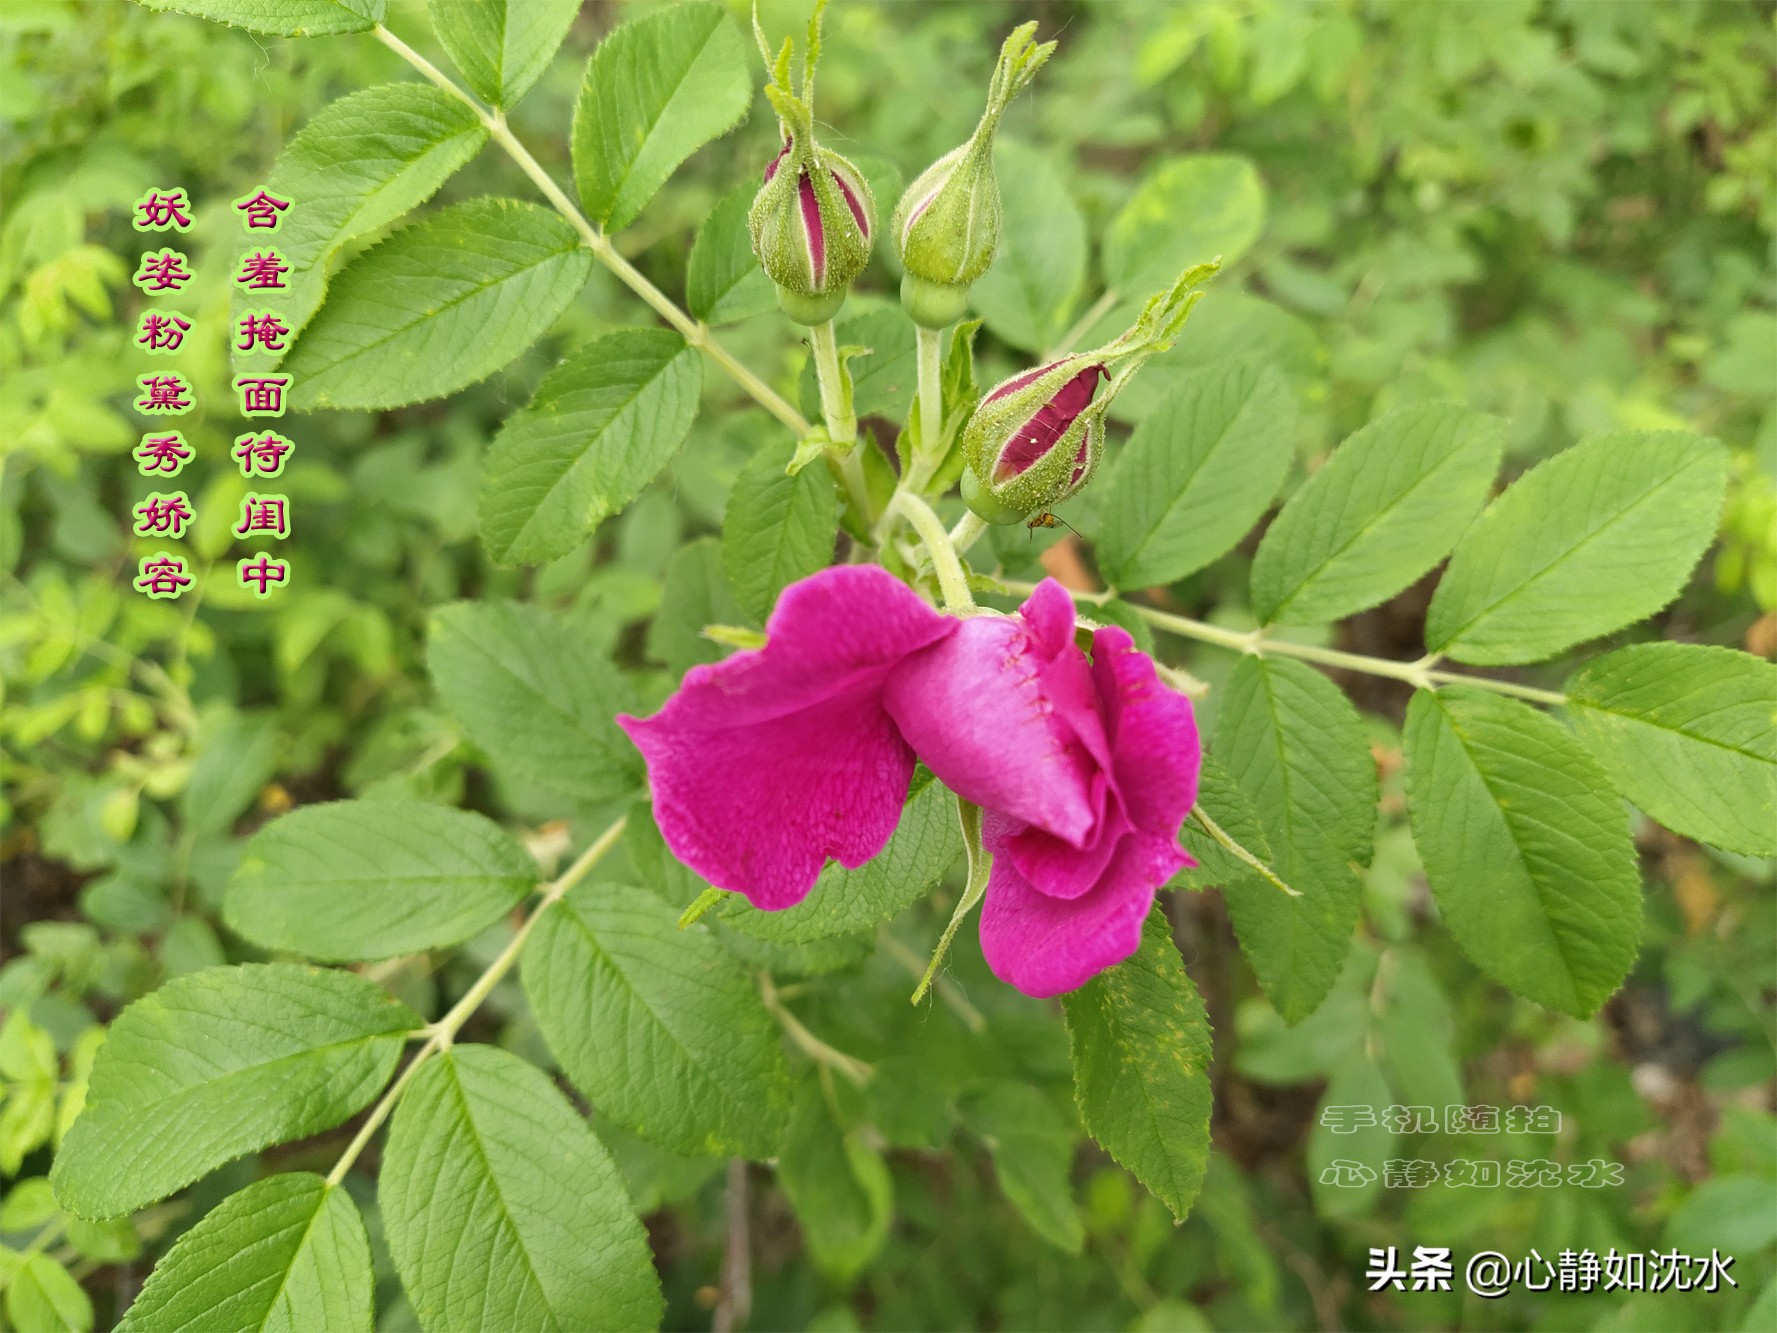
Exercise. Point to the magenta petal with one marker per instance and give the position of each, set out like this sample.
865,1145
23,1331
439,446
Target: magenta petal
1156,752
811,224
1049,612
1045,946
771,166
1060,869
764,765
976,710
852,202
1036,437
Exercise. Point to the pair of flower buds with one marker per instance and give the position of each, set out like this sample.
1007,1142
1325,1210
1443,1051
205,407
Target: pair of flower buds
813,221
1035,439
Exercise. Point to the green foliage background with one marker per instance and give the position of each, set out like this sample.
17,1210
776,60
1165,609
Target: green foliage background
1560,213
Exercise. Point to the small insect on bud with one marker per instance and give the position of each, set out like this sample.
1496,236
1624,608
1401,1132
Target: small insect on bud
947,225
814,218
1037,438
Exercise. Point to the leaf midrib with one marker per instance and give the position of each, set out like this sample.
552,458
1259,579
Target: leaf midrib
629,988
1163,517
592,442
1456,454
618,184
400,330
1543,918
1643,720
307,1052
284,1275
493,1180
1606,523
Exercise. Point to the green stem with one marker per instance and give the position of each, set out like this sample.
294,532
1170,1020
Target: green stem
848,470
810,1045
695,333
967,530
1257,643
952,581
931,407
842,423
444,1031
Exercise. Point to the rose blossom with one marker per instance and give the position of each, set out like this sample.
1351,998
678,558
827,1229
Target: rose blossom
1085,771
767,763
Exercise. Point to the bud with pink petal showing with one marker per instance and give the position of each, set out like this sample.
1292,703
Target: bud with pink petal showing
1035,439
814,219
947,225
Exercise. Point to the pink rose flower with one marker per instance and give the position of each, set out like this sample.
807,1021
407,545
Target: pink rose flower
768,762
1085,771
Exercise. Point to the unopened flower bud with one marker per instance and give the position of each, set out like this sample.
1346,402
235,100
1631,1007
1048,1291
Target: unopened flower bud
947,225
1035,439
814,218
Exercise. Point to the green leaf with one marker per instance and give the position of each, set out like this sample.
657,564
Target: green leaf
237,754
1197,474
287,1252
1028,295
282,18
883,382
656,1025
925,845
1227,803
1188,210
1688,733
362,162
1386,507
502,47
1140,1042
42,1297
1338,1160
438,306
696,593
839,1186
1736,1214
221,1063
352,880
1033,1148
599,428
657,89
532,692
777,529
1585,543
1416,1032
1296,745
723,280
502,1209
1526,848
